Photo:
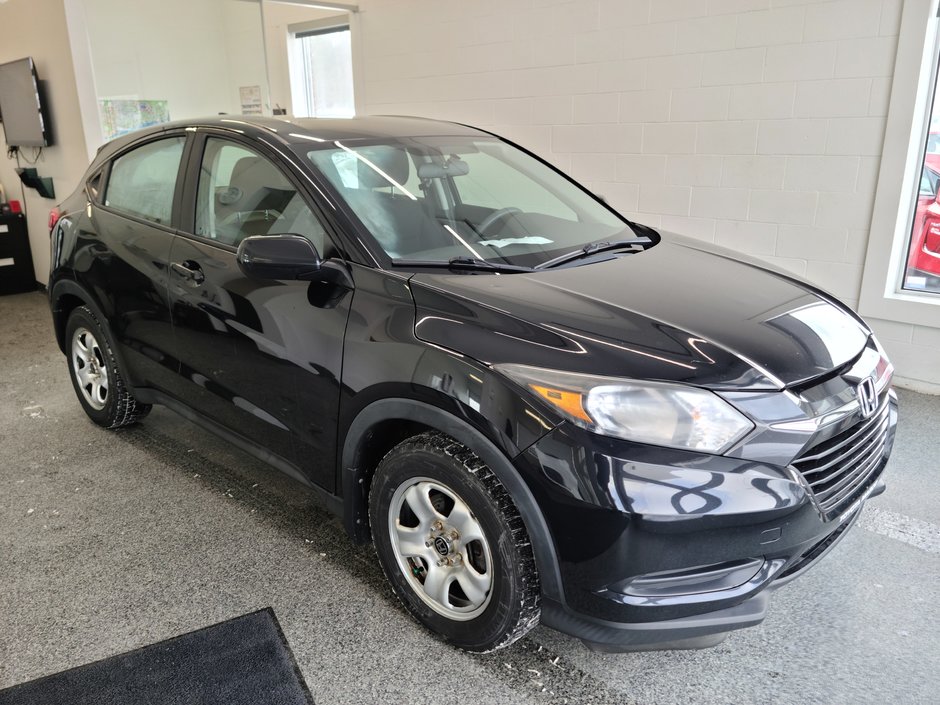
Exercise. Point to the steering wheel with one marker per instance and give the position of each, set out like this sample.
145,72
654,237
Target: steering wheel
495,217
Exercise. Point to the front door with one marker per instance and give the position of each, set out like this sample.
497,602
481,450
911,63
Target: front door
257,356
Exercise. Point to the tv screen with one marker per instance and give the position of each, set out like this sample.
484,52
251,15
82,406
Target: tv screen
21,109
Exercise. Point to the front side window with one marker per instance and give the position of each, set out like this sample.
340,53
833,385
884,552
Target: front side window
143,181
242,193
431,199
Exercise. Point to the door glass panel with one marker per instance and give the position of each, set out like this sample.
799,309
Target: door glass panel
242,194
143,181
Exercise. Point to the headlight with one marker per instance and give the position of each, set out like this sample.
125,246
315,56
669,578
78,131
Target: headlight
657,413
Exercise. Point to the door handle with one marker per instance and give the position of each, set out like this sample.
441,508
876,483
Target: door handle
190,271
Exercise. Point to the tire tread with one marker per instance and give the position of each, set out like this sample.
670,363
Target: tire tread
530,603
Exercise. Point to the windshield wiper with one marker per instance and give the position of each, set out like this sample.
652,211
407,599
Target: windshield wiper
593,249
469,263
474,263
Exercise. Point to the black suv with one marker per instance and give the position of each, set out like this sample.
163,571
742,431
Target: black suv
535,408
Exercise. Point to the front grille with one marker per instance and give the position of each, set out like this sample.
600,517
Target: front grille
840,469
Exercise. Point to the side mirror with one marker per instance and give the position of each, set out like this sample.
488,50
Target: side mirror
278,257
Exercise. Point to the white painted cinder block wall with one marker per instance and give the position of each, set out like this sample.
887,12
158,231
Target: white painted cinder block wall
755,124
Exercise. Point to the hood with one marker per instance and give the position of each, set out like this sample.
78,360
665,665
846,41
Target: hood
681,311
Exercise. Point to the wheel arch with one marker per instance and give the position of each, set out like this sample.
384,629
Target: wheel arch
61,310
389,421
67,295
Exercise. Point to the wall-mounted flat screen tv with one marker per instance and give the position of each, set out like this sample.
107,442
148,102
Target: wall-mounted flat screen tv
21,105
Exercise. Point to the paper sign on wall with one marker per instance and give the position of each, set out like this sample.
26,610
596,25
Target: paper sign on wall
250,100
121,115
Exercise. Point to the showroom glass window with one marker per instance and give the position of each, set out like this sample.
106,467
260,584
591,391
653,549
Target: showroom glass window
242,193
922,263
143,181
322,76
898,281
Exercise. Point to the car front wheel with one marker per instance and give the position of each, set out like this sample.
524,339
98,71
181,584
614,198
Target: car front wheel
453,545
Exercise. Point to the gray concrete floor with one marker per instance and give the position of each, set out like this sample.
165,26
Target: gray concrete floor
111,541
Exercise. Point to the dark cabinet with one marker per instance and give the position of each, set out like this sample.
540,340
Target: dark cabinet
16,261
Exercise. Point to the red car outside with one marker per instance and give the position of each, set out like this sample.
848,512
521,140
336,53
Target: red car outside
924,253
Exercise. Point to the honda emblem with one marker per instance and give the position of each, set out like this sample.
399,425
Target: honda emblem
867,397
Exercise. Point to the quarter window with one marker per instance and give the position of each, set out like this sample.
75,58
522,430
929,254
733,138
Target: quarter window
242,194
143,181
94,187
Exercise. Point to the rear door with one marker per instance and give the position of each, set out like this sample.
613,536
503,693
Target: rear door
124,253
262,358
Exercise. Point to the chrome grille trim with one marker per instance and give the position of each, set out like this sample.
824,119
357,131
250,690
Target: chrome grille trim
838,469
871,438
847,491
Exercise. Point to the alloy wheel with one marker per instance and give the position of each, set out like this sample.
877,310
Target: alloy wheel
91,372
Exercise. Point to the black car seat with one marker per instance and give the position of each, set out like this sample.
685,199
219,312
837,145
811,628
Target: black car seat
398,220
256,197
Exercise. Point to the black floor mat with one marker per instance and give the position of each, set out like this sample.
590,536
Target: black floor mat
244,661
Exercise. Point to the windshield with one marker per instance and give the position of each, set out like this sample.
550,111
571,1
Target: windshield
433,199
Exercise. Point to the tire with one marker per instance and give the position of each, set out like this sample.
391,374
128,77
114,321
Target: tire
453,545
96,376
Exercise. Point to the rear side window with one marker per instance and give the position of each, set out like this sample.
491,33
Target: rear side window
143,181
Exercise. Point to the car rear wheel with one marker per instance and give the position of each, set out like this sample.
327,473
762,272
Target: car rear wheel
95,374
453,545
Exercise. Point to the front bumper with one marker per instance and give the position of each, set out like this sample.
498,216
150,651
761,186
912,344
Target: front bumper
670,549
696,631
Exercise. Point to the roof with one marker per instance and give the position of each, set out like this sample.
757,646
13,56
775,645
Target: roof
306,130
373,126
329,129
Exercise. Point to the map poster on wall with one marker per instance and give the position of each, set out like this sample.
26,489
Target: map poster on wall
122,115
250,99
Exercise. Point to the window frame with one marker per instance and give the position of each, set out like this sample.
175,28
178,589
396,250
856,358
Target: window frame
912,90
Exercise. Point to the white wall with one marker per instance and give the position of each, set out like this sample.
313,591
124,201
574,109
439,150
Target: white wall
194,54
755,124
37,28
239,24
